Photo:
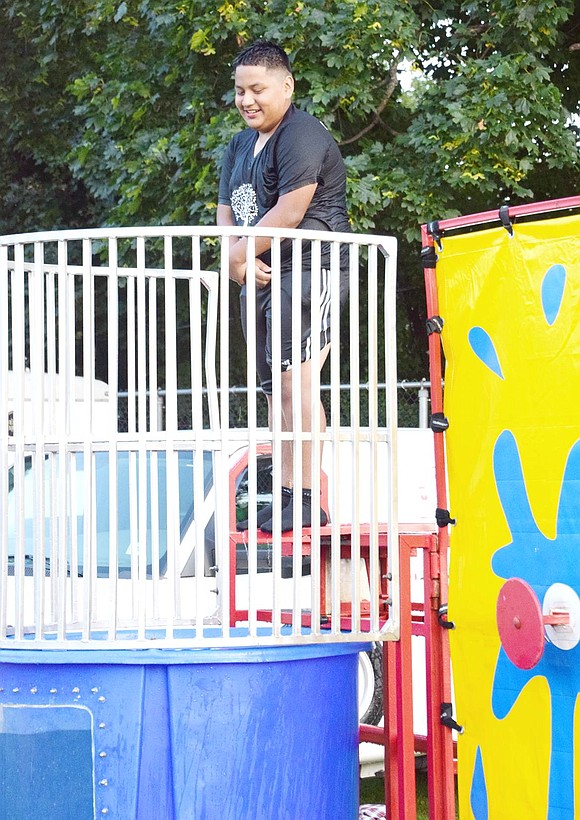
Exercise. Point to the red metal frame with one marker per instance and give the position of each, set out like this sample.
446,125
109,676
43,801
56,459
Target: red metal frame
439,747
530,209
397,735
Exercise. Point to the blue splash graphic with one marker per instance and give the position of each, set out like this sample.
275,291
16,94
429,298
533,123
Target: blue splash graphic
478,796
553,292
541,562
484,349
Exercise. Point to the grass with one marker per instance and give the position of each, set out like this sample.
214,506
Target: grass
372,790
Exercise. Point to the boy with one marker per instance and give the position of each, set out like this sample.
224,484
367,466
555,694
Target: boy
284,171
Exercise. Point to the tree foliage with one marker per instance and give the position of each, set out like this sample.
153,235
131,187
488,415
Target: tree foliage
118,112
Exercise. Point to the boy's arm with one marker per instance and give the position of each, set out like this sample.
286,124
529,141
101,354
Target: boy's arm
288,212
238,265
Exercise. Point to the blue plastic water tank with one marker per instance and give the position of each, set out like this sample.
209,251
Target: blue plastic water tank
195,734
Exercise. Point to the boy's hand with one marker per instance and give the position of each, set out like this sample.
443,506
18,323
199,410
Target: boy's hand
238,266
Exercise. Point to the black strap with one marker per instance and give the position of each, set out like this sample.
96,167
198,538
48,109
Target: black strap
442,618
434,325
428,256
443,518
504,215
439,423
435,231
447,718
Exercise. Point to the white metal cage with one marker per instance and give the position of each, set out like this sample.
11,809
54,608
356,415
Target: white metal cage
125,534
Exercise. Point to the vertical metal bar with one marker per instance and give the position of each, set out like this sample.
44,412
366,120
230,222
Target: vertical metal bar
143,454
171,432
389,248
196,369
225,506
155,425
54,324
113,284
276,428
87,416
66,389
51,348
373,379
76,509
37,307
332,569
252,433
18,388
4,438
401,753
355,354
439,737
318,285
423,398
211,284
132,455
297,432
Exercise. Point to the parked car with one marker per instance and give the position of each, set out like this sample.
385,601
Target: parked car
112,474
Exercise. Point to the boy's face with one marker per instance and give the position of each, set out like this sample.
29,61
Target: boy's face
262,96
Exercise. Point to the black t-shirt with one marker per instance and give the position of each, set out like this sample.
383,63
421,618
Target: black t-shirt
300,152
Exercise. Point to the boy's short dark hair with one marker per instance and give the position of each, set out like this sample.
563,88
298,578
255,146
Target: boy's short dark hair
264,53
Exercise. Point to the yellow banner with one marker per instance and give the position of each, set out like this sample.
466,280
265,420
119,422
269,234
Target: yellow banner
511,308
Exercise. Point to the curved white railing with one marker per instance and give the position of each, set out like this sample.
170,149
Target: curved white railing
127,537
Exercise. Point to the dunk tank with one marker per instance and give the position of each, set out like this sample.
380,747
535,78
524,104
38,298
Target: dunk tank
503,294
157,659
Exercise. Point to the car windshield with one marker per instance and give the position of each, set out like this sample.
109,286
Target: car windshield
125,534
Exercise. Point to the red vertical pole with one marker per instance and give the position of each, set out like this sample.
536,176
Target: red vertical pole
400,786
441,769
440,758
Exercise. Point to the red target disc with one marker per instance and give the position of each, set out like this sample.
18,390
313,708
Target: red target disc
520,623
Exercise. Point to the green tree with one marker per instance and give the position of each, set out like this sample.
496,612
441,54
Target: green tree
118,112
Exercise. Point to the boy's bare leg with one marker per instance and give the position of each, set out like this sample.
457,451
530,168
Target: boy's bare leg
308,422
307,426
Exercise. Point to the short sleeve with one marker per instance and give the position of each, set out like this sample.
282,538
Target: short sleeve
225,176
300,153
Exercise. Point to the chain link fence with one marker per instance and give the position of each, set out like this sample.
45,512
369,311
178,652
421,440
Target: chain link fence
413,401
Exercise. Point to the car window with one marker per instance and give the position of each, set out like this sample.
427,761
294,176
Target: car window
128,475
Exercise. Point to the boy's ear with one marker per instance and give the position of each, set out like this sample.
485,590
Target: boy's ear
289,84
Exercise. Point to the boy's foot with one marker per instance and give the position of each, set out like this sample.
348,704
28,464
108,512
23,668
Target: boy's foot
265,514
288,515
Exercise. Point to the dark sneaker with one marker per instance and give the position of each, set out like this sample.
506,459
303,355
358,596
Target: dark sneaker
265,514
288,516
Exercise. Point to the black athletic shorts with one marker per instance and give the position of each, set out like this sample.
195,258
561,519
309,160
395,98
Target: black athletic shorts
264,321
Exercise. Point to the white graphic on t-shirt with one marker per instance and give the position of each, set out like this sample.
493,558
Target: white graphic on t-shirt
244,204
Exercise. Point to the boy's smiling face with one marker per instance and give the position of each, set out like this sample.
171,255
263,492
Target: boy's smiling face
263,96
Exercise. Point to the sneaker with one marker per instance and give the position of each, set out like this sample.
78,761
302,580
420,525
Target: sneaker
288,515
265,514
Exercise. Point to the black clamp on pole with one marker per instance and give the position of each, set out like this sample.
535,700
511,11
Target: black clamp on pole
428,256
447,718
439,423
435,231
443,518
434,325
442,618
504,215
